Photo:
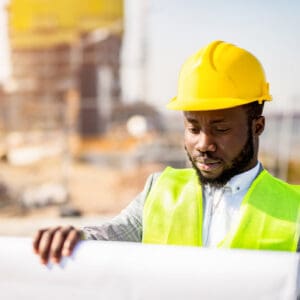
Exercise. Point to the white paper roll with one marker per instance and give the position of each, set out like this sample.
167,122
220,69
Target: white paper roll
114,271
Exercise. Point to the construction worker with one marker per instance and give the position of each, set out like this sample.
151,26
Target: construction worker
227,199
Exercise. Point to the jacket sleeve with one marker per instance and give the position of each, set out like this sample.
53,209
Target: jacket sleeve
128,225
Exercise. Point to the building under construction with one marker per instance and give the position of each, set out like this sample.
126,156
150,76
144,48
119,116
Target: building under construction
65,58
65,61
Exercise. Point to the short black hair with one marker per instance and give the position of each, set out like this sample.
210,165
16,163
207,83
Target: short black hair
254,110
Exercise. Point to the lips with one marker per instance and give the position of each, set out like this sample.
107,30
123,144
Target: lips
208,165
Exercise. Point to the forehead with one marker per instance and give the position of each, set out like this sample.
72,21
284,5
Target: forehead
236,114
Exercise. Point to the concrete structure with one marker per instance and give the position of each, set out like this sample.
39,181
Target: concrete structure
64,46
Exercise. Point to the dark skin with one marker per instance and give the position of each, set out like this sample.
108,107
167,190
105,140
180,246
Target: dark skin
213,139
54,243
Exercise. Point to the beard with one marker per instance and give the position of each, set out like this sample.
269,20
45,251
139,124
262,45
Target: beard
238,165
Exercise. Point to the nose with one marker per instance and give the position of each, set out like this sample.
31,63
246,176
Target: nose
205,143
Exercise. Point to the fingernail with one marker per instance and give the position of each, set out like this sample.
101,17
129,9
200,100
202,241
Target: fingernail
55,260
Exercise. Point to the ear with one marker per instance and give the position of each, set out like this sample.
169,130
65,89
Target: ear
258,125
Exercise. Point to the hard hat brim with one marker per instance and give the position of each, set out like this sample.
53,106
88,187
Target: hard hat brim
205,104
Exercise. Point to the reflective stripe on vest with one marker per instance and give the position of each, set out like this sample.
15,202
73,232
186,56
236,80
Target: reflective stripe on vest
268,217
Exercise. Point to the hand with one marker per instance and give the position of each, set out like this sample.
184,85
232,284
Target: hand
53,243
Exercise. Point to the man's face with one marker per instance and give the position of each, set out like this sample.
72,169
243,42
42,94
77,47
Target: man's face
221,143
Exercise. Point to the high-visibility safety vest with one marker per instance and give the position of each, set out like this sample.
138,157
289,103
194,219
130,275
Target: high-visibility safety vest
268,217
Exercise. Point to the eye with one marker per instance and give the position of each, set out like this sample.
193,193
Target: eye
222,129
193,129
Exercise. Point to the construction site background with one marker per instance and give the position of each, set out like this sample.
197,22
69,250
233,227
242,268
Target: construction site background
70,145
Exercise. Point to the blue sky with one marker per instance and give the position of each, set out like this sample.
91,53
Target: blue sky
269,29
175,29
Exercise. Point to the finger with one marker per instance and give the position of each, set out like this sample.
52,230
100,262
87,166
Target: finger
37,239
58,241
45,244
71,240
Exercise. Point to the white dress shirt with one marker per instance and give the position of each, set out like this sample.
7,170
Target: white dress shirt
221,206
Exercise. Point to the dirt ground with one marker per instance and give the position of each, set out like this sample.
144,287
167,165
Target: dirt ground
105,191
94,191
99,193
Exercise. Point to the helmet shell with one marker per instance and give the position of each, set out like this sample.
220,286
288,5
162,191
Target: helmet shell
219,76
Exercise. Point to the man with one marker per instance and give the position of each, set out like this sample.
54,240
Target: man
227,199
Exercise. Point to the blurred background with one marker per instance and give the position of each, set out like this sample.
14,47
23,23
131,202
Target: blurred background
83,89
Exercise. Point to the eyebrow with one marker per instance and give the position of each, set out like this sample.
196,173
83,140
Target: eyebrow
216,121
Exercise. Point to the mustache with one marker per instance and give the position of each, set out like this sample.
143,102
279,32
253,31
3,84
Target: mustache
203,157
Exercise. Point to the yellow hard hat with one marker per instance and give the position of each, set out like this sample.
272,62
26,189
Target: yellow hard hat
219,76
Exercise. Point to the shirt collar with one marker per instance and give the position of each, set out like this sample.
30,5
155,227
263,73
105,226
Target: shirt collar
242,182
239,182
